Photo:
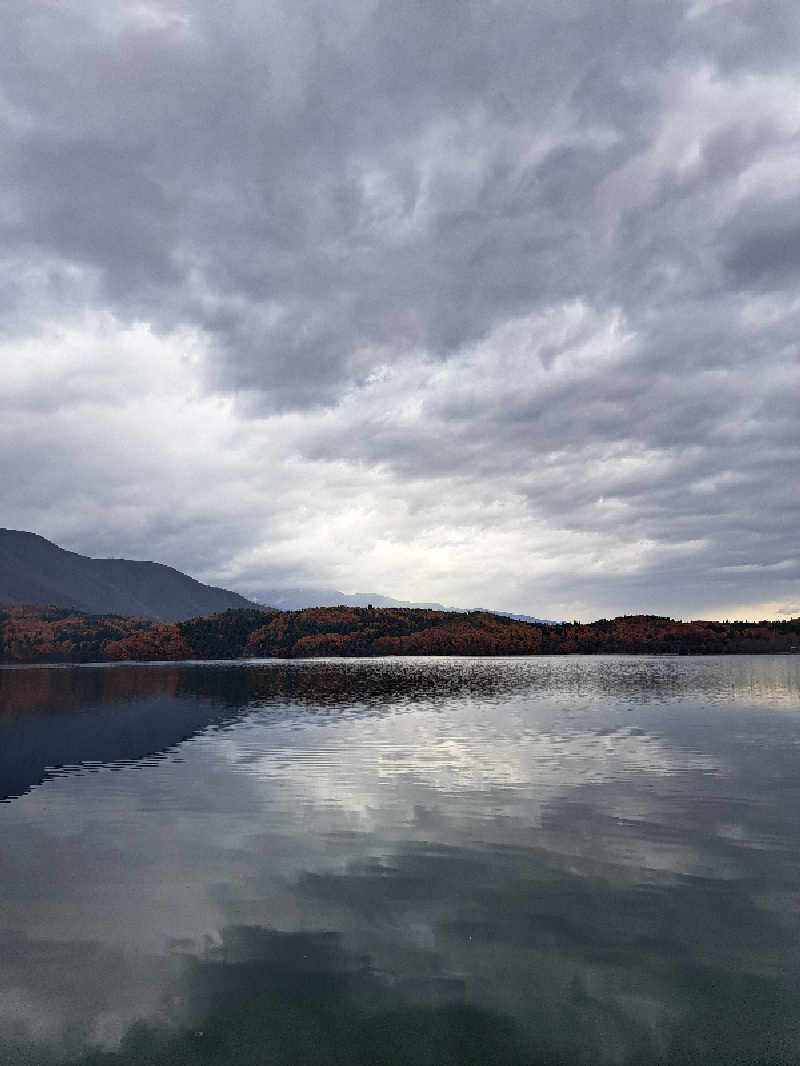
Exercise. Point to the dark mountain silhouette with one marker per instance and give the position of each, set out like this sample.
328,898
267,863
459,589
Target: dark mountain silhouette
35,571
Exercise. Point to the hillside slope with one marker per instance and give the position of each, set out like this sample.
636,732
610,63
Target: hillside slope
36,571
58,635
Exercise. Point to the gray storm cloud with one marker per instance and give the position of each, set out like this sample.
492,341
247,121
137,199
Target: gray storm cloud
461,300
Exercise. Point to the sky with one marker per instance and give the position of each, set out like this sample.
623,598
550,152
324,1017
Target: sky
490,303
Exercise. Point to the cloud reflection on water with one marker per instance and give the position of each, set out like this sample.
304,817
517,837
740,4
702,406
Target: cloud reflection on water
622,887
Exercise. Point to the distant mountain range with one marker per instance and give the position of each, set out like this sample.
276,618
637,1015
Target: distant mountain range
295,599
36,571
299,598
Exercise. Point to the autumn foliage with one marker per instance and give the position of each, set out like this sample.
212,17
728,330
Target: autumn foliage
49,634
59,634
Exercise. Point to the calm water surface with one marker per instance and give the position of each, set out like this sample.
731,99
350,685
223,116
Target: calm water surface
427,861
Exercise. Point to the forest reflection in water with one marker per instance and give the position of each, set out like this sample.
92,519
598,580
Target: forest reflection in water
401,861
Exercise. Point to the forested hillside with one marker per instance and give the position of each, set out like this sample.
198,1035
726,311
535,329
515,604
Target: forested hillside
59,635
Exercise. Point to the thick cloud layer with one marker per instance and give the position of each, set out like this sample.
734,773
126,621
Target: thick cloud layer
490,303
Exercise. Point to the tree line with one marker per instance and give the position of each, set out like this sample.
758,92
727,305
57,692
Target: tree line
51,634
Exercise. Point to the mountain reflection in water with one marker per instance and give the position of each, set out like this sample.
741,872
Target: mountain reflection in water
414,861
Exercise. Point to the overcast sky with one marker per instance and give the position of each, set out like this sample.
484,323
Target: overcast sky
493,303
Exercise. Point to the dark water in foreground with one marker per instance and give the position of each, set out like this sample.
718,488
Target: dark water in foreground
427,861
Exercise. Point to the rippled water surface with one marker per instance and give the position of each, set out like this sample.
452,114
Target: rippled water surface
433,861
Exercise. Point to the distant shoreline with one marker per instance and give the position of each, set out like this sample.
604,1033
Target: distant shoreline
59,635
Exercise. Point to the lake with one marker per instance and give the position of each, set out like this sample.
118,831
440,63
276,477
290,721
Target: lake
426,861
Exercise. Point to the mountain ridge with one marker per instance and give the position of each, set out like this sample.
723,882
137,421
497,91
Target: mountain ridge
34,570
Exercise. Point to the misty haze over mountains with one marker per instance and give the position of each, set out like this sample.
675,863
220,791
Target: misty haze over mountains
33,570
295,599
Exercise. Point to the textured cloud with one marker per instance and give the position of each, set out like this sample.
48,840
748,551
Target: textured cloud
457,301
